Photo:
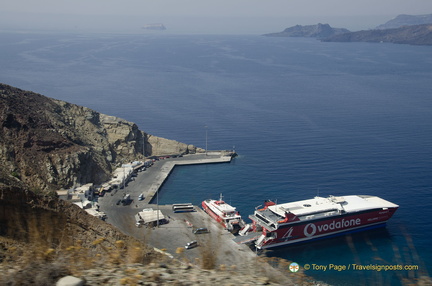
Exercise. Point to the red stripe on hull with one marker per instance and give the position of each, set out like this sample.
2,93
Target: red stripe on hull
298,232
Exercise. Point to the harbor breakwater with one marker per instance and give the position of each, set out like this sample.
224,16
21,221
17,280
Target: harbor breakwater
156,182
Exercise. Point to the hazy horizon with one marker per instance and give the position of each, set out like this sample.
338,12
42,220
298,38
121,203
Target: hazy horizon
199,16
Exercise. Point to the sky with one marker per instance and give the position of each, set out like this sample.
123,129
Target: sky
202,16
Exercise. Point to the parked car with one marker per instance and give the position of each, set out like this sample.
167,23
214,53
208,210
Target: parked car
191,244
201,230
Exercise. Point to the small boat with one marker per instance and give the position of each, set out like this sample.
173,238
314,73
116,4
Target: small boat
282,224
224,214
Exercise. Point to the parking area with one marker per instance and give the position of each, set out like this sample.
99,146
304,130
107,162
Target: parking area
180,230
180,226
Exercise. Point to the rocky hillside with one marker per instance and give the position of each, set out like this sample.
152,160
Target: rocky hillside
48,144
406,20
314,31
50,222
31,225
413,35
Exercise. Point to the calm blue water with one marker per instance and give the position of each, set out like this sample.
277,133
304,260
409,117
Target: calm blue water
306,117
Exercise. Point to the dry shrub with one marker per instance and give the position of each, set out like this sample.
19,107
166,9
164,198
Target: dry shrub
136,254
208,257
277,270
209,246
37,273
39,265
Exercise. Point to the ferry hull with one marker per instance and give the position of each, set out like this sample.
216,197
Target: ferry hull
233,225
212,214
298,232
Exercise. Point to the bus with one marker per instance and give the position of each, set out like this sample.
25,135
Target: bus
177,208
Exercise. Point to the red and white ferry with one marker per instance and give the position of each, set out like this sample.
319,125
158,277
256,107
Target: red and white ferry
283,224
224,213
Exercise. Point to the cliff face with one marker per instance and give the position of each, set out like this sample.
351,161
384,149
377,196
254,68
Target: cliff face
314,31
49,144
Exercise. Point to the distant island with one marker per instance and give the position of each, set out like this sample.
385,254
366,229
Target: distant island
412,35
404,29
156,26
406,20
313,31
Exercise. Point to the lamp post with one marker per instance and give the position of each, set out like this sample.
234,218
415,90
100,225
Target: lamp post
157,203
206,140
124,179
144,145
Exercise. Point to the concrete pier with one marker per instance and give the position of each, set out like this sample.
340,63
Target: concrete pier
165,167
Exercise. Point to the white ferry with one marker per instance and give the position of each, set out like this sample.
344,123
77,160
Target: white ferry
283,224
224,214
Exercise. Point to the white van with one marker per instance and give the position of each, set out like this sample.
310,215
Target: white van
191,244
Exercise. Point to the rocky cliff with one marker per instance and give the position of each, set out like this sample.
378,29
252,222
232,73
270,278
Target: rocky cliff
314,31
413,35
48,144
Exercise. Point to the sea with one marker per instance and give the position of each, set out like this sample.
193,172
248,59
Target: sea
306,118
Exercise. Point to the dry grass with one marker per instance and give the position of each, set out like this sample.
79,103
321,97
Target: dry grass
39,265
43,239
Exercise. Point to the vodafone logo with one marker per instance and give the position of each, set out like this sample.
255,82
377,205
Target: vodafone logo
309,230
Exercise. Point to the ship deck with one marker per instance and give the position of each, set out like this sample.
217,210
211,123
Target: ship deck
222,209
322,207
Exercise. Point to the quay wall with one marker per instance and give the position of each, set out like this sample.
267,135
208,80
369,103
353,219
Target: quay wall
168,166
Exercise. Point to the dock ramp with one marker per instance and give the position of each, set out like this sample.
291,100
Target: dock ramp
245,230
247,238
